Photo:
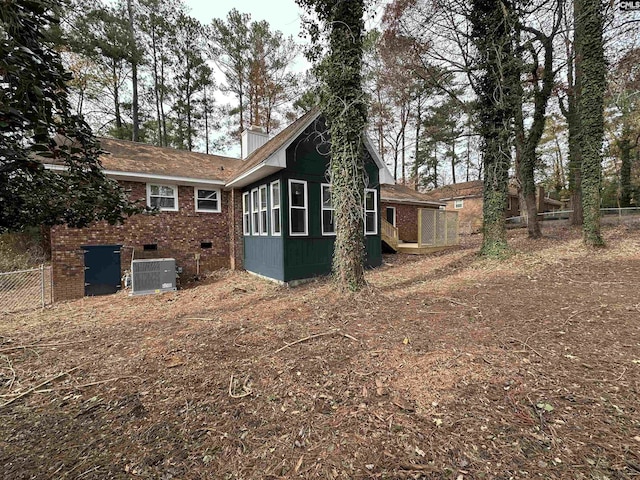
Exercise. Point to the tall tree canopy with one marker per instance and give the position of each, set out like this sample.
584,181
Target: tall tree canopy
35,114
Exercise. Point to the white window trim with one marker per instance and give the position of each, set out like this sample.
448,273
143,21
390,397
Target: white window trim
246,211
277,207
323,209
207,210
375,210
264,229
394,214
255,226
457,205
175,196
305,208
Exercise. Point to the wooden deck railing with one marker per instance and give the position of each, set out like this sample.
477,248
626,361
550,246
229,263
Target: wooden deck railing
389,233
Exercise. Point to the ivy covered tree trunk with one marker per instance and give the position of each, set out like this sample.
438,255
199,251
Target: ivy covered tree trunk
346,110
491,32
589,44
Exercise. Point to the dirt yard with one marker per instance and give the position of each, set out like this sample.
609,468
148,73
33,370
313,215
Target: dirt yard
447,366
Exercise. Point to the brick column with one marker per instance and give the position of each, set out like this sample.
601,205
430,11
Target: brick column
236,242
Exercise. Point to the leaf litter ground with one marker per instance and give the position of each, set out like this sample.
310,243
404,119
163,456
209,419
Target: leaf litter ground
446,366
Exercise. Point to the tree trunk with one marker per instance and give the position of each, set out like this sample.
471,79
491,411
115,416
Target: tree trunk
156,87
492,35
346,127
416,167
134,76
116,100
589,42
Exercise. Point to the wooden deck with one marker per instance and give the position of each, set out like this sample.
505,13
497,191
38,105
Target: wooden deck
415,249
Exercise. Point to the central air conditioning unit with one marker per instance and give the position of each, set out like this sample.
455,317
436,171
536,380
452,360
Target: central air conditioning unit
154,275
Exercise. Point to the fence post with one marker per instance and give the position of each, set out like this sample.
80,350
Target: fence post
419,227
42,284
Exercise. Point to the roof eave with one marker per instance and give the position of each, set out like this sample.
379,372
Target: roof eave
143,176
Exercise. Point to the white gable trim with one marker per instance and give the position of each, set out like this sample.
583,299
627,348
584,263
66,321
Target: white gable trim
276,161
385,176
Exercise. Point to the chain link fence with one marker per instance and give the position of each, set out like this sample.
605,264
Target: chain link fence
25,289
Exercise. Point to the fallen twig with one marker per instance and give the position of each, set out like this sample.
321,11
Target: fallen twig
246,390
39,345
317,335
42,384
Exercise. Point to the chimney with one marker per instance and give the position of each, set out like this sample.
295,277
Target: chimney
252,139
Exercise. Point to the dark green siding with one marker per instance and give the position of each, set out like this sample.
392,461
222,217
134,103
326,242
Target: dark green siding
312,255
288,257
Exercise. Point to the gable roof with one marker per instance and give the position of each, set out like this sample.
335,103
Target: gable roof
126,159
402,194
271,157
283,139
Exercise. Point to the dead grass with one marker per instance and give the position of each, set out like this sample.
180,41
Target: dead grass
447,366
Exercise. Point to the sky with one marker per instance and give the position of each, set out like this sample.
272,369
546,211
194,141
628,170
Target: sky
283,15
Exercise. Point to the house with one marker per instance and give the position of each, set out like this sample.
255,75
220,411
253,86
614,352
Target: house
399,206
269,213
466,198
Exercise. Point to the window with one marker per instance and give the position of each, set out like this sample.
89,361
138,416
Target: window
391,215
328,217
263,210
150,247
370,212
255,212
207,200
206,244
163,197
246,219
275,208
298,219
458,204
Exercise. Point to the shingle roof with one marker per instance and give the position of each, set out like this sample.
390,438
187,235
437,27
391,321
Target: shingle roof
473,188
402,194
274,144
464,189
132,157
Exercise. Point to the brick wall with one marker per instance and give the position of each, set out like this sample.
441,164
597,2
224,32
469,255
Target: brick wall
469,216
177,234
406,220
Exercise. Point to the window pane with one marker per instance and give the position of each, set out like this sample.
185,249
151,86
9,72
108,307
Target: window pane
154,202
166,191
254,200
369,201
155,189
328,222
263,226
208,194
275,219
297,195
275,194
207,204
263,198
370,220
167,202
297,220
326,196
